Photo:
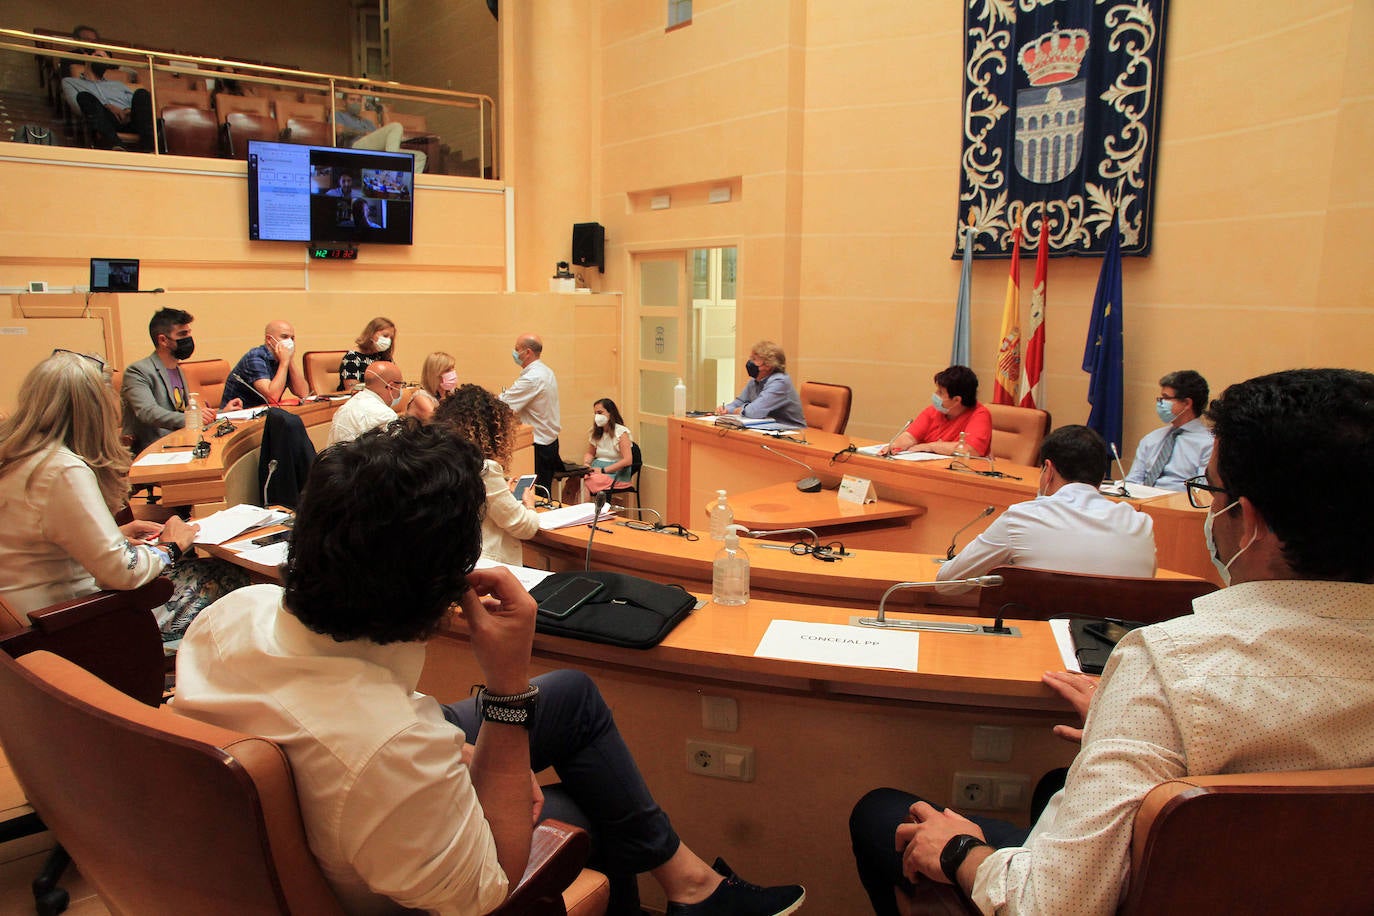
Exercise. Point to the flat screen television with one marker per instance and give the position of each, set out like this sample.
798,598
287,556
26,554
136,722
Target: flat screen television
299,193
114,275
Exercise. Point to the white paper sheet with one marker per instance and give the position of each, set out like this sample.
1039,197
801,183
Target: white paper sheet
155,459
839,644
228,524
271,555
901,456
528,577
245,413
568,516
1133,490
1064,640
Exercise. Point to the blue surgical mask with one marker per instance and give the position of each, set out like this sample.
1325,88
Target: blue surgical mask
1223,568
939,404
515,355
1164,407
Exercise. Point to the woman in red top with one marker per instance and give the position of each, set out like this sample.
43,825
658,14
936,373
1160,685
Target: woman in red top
954,409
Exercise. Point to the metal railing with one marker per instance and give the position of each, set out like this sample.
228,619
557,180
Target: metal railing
443,109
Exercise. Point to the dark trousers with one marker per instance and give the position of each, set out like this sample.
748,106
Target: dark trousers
106,128
600,786
547,462
873,830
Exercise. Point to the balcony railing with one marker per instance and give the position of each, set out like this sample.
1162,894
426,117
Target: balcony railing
210,106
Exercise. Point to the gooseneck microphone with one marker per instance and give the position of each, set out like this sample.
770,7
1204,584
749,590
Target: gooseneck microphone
658,515
901,429
949,553
1121,487
598,504
271,469
240,380
937,626
810,484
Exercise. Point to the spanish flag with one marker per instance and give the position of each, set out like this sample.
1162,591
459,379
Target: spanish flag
1033,366
1009,348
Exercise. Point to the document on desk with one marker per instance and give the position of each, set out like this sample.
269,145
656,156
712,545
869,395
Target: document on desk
1133,490
245,413
526,576
230,523
179,456
568,516
1063,638
873,450
838,644
271,555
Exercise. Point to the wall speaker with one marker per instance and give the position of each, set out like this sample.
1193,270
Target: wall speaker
589,245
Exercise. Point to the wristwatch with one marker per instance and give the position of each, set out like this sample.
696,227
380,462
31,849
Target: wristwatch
173,551
955,852
516,709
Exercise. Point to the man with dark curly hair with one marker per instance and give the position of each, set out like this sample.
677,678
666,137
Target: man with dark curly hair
399,807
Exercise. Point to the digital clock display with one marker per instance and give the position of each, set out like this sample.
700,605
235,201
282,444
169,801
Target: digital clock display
326,253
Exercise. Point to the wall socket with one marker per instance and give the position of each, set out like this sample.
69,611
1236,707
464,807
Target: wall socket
990,791
723,761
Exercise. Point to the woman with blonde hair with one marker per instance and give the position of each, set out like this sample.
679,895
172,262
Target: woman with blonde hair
377,341
438,379
63,476
480,417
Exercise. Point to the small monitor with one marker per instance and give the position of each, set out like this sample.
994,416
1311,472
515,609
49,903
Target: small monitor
114,275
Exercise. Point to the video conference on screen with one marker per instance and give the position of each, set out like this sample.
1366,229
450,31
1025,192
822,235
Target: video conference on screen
321,194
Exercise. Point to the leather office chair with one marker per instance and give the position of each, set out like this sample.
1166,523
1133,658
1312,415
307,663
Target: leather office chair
1039,594
190,132
242,126
321,368
1201,843
1017,433
230,824
206,377
826,406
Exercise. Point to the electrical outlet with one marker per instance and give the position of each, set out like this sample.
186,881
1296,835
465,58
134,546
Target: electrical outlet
990,791
723,761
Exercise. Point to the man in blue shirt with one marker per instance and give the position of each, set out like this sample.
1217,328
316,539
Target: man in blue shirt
353,128
1170,455
769,392
264,373
108,105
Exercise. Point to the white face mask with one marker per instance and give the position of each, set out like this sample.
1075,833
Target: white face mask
600,419
382,343
1223,568
288,343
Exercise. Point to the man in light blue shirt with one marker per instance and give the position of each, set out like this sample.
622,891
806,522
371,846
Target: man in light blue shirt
108,105
1168,456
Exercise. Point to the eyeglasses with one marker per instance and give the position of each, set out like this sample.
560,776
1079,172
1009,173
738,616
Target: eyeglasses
91,356
1200,492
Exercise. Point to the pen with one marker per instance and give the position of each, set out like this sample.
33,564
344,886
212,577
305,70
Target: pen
178,446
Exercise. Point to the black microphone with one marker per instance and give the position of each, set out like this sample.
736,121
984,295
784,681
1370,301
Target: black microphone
271,469
240,380
811,484
949,553
598,503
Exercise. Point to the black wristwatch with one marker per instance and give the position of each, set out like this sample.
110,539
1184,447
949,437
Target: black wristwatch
173,551
955,852
517,709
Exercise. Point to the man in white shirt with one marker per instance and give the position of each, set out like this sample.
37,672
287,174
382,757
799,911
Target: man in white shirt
1273,672
534,398
372,407
1069,526
1168,456
407,802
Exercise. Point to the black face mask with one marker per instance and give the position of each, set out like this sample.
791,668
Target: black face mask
752,369
183,347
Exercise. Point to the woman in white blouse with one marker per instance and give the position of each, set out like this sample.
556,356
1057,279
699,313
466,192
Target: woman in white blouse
483,419
608,445
63,475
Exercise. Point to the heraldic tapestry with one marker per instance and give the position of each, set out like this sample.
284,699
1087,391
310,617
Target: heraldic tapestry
1061,121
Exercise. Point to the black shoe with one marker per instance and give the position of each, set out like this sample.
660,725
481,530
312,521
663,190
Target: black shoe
737,897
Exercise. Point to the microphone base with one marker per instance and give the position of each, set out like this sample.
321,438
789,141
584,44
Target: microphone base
809,485
936,626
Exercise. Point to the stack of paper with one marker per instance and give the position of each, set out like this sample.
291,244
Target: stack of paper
568,516
228,524
527,577
901,456
1133,490
271,555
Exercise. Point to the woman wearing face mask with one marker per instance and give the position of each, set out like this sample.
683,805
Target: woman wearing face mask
377,341
954,409
483,419
769,393
438,379
608,447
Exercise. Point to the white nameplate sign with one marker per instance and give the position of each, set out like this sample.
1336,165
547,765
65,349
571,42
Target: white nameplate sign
857,490
839,644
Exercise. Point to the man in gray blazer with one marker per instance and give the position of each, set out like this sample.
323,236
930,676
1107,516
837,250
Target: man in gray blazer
153,390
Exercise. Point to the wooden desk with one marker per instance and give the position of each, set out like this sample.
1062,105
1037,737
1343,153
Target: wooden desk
1178,536
784,506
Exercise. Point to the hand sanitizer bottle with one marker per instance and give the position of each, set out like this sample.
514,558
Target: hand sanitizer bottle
192,411
721,516
961,450
679,399
730,573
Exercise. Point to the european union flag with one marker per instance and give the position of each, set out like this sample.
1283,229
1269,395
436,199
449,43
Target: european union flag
1104,353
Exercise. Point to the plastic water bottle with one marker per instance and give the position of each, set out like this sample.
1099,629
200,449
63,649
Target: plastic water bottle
730,572
193,411
961,450
721,517
679,399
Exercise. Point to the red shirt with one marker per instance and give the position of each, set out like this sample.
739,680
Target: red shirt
933,426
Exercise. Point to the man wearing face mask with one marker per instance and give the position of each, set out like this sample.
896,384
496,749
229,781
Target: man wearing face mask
1274,672
154,393
1069,526
534,398
1168,456
265,372
769,391
373,407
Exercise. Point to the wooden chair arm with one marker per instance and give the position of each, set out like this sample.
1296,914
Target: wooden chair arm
557,854
57,617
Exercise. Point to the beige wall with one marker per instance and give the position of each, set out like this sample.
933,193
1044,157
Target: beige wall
316,35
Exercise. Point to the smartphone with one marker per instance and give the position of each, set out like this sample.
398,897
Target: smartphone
522,485
275,537
570,596
1107,630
